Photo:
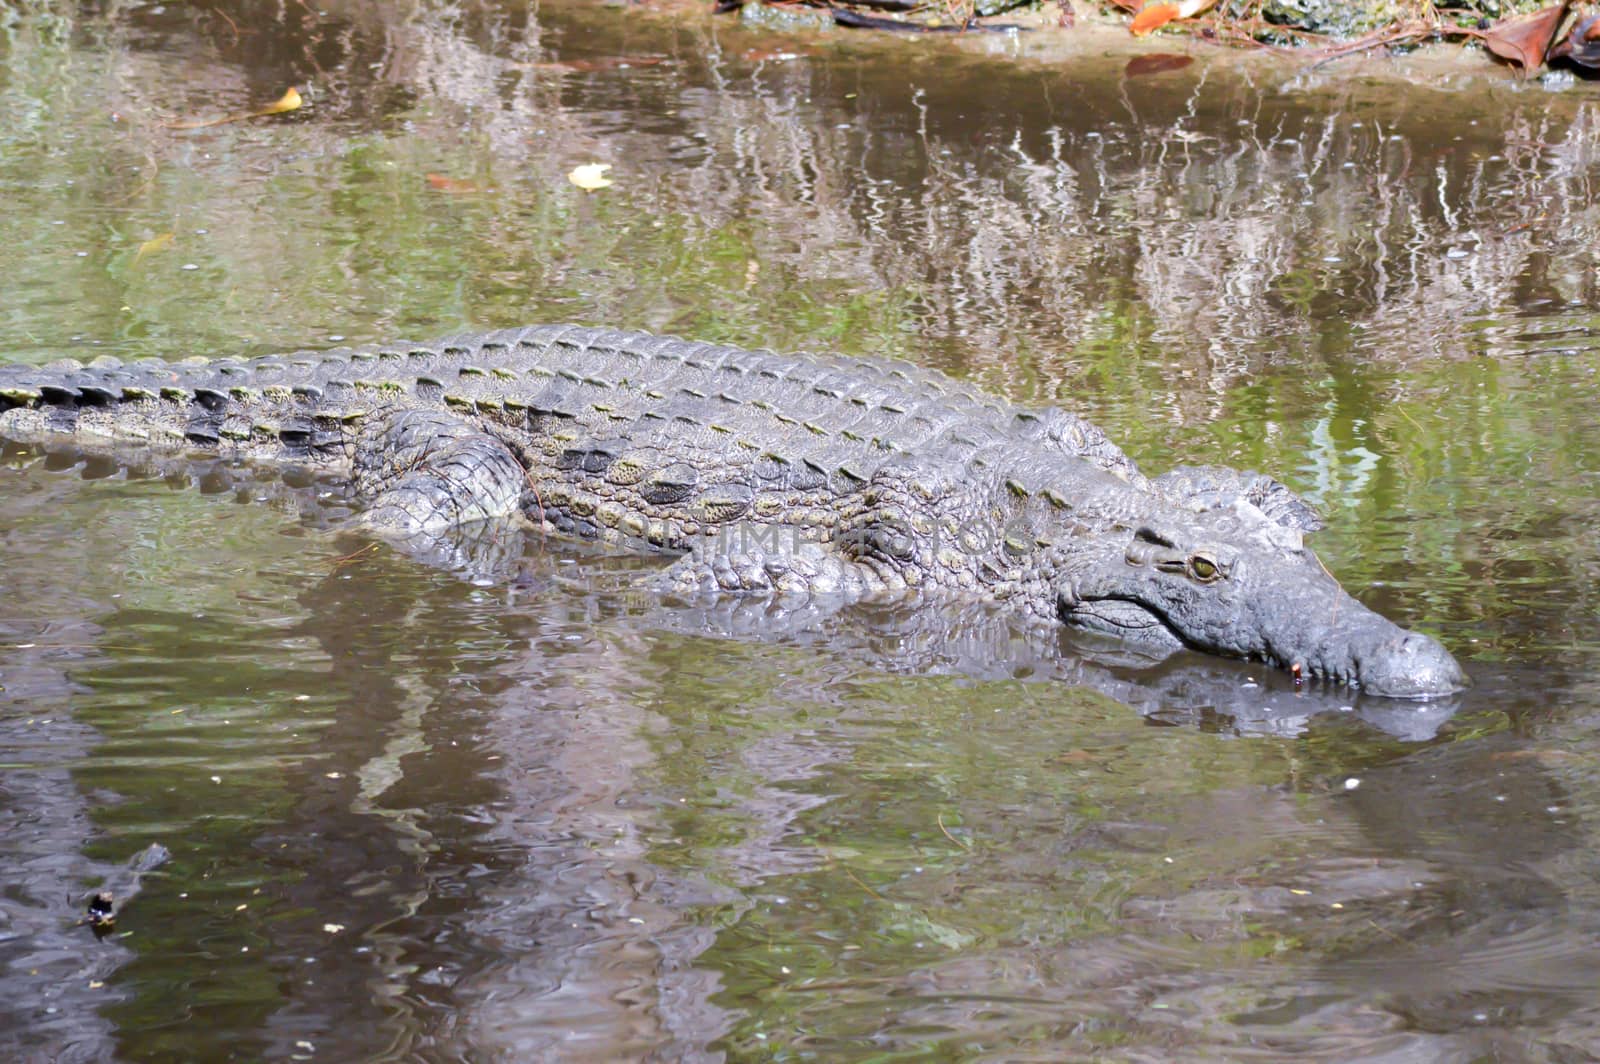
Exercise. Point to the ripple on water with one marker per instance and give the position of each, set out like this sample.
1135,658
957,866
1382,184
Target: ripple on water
417,817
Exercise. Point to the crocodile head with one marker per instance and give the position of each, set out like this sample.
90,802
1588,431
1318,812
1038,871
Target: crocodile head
1233,582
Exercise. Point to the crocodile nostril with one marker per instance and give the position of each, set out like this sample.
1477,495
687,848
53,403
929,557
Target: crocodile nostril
1146,534
1145,547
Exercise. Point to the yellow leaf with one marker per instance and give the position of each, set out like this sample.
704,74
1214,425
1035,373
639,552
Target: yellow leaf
590,176
289,101
160,242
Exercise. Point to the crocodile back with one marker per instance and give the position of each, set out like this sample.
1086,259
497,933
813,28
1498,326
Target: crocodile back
655,437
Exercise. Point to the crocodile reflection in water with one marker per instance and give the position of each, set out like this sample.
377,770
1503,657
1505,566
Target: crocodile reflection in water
843,477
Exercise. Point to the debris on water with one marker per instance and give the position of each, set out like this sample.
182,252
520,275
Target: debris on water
102,909
590,176
106,903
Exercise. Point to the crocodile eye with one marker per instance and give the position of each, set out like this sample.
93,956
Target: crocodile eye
1203,569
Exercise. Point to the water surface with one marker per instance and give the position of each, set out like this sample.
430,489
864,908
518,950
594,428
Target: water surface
548,817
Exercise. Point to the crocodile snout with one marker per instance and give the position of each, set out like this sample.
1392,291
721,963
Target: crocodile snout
1411,665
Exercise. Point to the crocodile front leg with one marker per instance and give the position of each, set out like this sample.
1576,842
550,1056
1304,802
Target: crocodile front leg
425,473
749,558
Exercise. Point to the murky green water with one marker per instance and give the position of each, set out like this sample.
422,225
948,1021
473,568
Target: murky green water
415,818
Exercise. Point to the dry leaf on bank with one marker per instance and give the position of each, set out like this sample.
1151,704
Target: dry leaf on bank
1152,17
1525,41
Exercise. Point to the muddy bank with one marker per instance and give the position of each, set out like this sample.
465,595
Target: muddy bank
1525,39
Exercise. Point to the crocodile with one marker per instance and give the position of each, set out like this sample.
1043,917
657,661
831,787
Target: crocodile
764,473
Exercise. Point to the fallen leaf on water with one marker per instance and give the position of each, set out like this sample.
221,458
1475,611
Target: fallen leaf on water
160,242
1524,41
1152,17
1072,756
1155,63
289,101
455,186
590,176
